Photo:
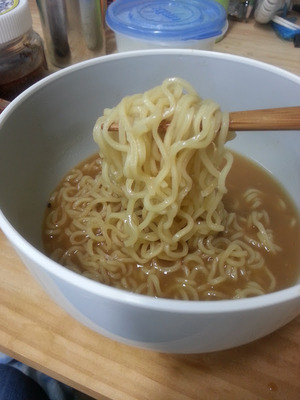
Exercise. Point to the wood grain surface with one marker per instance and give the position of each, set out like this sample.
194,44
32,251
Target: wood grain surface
34,330
261,43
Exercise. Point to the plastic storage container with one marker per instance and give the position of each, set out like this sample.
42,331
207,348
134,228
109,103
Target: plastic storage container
22,57
144,24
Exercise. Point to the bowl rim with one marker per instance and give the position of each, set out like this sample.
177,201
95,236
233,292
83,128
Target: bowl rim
141,53
120,295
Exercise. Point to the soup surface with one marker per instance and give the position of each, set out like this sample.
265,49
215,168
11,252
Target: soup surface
249,187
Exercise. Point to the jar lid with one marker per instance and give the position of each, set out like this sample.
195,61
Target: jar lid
167,19
15,19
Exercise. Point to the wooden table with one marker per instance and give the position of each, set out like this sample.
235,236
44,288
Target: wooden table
35,331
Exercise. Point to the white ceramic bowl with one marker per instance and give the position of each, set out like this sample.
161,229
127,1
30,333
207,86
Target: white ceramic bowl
48,129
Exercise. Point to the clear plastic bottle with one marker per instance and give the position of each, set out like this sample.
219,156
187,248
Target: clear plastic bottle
22,56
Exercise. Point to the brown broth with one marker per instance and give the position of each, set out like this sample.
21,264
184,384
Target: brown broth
244,173
285,265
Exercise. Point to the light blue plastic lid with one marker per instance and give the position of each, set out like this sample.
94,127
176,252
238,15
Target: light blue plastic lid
167,19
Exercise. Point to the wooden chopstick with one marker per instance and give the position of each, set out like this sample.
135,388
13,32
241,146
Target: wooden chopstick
271,119
286,118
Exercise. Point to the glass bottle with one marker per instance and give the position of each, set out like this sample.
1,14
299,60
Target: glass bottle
22,56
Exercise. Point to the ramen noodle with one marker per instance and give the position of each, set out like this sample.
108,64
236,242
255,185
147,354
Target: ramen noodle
147,214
